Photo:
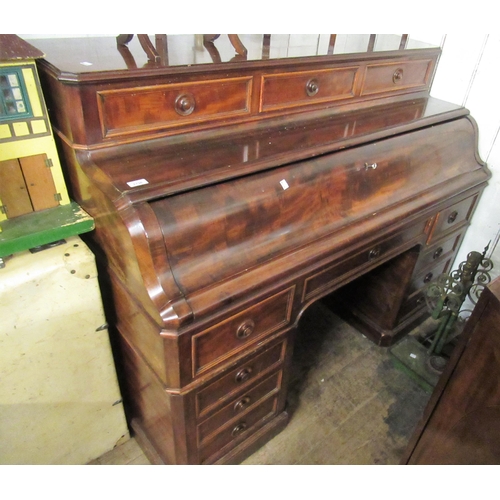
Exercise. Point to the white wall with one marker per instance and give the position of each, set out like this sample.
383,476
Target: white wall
469,74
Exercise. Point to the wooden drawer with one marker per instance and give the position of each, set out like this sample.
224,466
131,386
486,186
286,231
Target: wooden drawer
142,109
240,406
394,76
414,303
452,217
239,379
307,87
443,249
240,428
430,274
368,257
231,336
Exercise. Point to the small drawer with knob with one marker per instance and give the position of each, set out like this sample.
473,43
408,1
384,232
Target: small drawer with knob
452,218
238,429
238,407
225,339
443,249
301,88
239,381
428,275
142,109
331,275
397,76
415,303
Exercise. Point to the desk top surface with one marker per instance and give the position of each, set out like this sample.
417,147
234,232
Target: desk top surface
86,56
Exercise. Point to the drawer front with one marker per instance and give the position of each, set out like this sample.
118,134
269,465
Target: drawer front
240,406
308,87
397,76
239,379
430,274
443,249
241,428
231,336
368,257
414,303
148,108
452,217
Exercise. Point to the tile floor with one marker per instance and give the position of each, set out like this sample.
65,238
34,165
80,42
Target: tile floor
348,403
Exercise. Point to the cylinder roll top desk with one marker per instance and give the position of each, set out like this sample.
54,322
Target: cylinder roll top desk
230,192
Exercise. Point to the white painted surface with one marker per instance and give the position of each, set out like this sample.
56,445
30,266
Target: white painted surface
59,397
468,73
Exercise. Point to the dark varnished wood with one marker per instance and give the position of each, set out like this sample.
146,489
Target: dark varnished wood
460,425
230,195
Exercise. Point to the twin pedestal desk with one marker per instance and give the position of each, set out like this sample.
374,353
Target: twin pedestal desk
229,196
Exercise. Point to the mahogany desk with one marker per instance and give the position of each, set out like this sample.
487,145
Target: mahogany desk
230,195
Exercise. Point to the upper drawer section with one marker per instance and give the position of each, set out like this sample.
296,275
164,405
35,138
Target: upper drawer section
140,109
307,87
397,76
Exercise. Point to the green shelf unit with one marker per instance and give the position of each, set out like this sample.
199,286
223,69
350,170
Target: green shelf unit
41,228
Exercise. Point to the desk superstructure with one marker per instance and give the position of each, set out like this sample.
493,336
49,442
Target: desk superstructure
230,195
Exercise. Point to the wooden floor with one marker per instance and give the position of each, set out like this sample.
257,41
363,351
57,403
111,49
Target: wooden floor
348,403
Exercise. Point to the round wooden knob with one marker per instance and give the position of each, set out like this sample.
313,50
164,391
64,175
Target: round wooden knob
241,427
243,375
312,87
373,253
245,329
397,76
437,253
452,217
185,104
242,404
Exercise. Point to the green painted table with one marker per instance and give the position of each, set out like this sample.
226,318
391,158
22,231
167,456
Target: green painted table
42,228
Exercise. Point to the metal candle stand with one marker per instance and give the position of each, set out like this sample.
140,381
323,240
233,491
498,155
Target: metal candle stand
445,299
446,295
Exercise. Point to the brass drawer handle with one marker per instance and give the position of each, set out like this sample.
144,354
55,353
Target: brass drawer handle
437,253
397,76
371,166
241,427
452,217
185,104
428,277
242,404
243,375
374,253
312,87
245,329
